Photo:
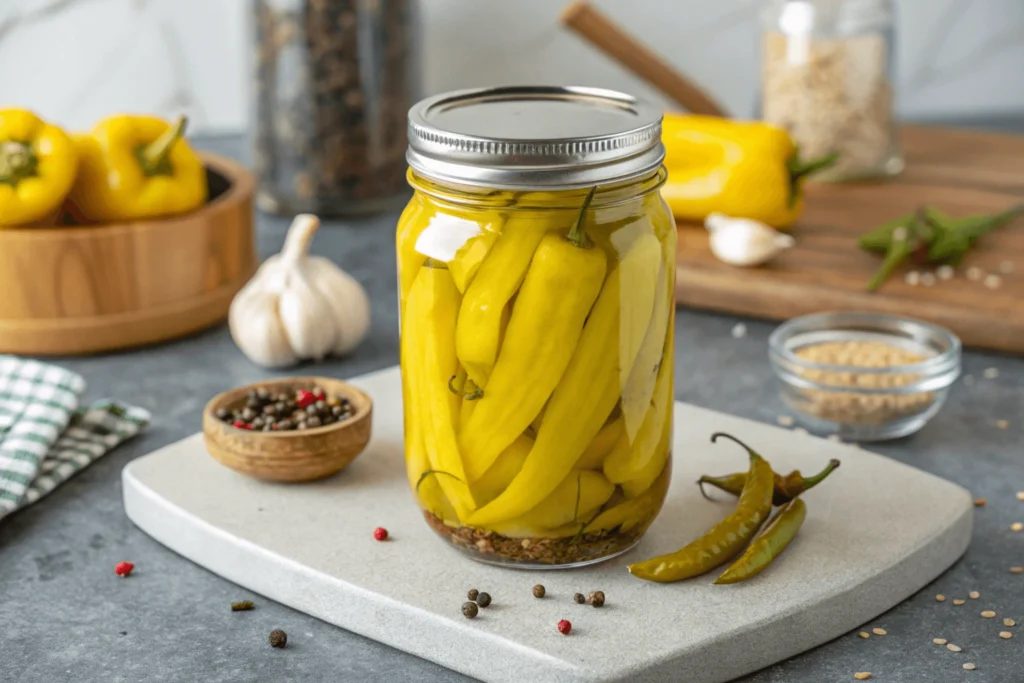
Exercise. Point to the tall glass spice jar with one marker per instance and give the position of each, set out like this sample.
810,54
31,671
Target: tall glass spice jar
827,79
334,80
536,273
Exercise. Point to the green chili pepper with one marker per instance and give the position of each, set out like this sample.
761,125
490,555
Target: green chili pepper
769,544
787,487
727,538
956,235
880,238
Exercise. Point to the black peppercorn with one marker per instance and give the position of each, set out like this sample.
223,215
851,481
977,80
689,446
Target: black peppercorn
257,422
469,610
278,638
596,598
579,599
473,594
262,394
538,591
483,599
285,424
311,409
320,405
314,421
223,414
337,410
248,414
270,409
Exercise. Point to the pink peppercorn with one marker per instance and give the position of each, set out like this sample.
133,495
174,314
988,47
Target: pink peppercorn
564,627
306,398
123,569
380,533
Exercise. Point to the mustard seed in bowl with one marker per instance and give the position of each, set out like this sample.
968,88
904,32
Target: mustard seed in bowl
863,376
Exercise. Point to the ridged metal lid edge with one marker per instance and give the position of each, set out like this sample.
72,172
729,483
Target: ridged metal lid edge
551,162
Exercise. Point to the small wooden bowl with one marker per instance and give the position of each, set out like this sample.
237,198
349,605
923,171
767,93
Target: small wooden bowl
289,456
70,290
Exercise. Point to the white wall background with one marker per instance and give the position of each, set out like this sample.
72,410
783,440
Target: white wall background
76,60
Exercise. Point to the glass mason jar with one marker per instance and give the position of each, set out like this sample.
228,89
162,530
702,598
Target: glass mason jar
537,268
334,80
827,79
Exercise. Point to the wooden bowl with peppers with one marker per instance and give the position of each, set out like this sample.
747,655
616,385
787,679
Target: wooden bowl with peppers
118,237
289,430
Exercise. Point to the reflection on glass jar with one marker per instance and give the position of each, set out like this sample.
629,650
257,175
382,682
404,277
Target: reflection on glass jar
827,79
333,83
537,343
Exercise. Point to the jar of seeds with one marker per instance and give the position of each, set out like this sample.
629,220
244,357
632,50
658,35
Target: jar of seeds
334,80
827,67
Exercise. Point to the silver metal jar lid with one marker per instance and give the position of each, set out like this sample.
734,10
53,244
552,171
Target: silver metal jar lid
534,136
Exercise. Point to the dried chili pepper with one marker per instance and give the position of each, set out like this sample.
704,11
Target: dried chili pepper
768,544
727,538
787,487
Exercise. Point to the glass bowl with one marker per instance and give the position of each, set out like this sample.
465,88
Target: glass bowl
863,376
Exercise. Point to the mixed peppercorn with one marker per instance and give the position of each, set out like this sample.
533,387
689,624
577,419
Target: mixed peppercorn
283,411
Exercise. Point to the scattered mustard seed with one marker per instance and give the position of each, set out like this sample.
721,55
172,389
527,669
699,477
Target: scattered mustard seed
862,675
974,595
980,502
939,641
1020,495
953,648
969,666
988,614
879,631
940,598
1002,424
1017,526
1016,570
959,601
1005,635
864,634
1009,622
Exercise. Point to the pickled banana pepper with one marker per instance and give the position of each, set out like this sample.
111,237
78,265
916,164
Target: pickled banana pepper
536,266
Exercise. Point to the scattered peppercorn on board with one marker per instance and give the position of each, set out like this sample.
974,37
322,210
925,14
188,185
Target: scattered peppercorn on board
313,548
961,172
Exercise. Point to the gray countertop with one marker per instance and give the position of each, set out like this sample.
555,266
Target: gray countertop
65,617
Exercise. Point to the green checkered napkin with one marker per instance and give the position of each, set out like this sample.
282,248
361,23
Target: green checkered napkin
44,438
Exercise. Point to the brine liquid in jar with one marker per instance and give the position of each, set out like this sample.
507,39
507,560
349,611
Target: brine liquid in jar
536,268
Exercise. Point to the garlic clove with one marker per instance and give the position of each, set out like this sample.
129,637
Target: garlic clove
306,317
744,242
256,329
347,299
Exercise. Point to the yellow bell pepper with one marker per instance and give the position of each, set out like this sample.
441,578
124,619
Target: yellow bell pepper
135,167
37,168
744,169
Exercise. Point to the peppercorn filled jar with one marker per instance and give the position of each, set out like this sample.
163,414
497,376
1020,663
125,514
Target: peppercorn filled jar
827,79
334,80
536,268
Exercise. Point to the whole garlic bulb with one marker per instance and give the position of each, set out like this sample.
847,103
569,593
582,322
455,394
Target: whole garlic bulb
298,306
744,242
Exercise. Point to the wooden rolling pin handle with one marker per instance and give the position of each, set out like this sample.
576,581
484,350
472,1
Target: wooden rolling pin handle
604,34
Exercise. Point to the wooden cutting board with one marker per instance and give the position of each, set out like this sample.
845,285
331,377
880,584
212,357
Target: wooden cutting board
961,172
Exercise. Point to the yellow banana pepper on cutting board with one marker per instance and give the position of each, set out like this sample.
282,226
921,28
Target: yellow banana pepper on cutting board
135,167
37,168
744,169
